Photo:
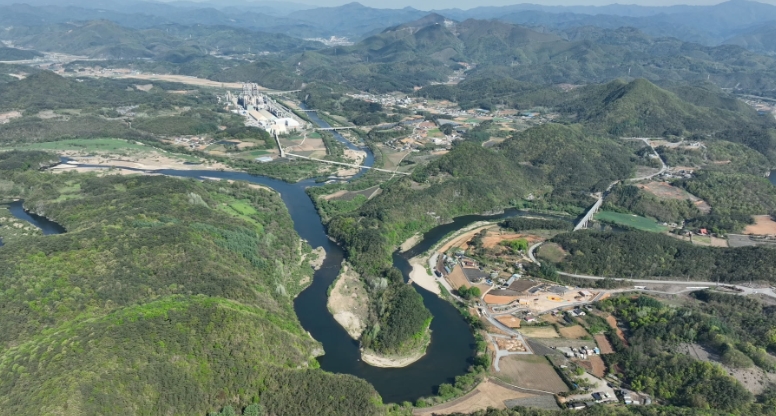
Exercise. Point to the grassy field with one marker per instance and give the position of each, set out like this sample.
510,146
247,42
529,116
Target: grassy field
100,145
85,144
635,221
552,252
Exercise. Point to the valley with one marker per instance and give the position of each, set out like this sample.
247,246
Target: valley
495,211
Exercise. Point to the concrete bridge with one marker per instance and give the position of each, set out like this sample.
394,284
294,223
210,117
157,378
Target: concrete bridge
334,128
280,92
352,165
307,111
589,215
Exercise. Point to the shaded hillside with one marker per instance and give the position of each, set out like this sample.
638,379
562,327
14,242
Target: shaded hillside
759,39
420,54
183,289
45,90
13,54
354,19
174,43
527,169
570,160
640,108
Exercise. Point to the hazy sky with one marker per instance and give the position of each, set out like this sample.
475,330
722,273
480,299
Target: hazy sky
468,4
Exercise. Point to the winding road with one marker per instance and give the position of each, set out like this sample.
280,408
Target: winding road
742,290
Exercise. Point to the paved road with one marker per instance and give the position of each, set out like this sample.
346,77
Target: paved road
347,164
662,170
744,290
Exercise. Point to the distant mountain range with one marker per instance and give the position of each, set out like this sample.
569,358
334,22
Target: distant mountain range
739,22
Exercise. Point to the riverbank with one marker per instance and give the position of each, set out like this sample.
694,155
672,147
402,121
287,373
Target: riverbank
348,302
146,161
421,277
410,242
316,258
383,361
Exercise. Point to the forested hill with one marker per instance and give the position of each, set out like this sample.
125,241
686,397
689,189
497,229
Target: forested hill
13,54
550,162
414,55
172,43
640,108
164,297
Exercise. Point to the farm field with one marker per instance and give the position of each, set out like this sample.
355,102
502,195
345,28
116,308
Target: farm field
763,225
603,344
595,365
487,394
573,332
540,332
635,221
530,372
509,320
392,158
458,279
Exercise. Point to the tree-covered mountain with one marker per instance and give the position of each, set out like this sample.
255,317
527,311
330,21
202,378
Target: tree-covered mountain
174,43
182,290
640,108
429,49
545,165
14,54
758,39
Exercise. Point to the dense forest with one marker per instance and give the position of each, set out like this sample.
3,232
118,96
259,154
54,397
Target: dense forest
640,254
326,98
637,201
182,288
737,328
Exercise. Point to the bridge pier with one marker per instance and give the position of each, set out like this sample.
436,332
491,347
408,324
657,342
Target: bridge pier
280,148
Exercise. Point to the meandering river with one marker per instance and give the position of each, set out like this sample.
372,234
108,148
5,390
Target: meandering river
452,345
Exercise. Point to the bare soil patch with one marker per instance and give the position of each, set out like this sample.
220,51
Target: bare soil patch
603,344
382,361
487,394
595,366
335,195
6,117
573,332
493,239
309,144
348,302
172,78
411,242
613,323
499,300
530,372
509,320
753,378
665,190
763,225
458,279
420,276
462,239
540,332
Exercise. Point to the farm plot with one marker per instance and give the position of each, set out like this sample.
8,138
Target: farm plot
530,372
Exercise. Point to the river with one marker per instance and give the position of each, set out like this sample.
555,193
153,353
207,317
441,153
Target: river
452,346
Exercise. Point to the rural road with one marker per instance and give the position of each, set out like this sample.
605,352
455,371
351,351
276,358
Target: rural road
744,290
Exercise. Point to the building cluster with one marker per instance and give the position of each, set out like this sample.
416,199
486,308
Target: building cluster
193,142
261,111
